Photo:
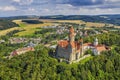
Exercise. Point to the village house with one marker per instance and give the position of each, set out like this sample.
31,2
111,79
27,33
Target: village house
95,47
2,41
18,40
29,47
21,51
71,50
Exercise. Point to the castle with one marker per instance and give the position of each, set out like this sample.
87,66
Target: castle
71,50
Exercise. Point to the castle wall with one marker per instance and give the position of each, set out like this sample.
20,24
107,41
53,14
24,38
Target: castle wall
68,53
63,52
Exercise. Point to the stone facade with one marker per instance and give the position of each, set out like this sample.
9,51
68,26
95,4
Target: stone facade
69,50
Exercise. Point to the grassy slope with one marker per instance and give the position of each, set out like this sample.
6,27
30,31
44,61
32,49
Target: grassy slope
29,28
4,32
7,24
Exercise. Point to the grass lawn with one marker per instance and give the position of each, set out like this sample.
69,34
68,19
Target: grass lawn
85,60
82,61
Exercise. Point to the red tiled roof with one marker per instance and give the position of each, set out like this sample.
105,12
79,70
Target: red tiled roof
64,44
14,53
101,48
81,40
26,49
87,44
71,30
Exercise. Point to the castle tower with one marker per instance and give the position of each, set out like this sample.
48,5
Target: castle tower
81,47
71,34
95,42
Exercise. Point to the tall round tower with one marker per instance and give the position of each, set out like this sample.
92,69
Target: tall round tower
71,34
95,42
81,47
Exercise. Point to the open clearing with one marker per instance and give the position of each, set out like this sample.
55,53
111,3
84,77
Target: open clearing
4,32
29,29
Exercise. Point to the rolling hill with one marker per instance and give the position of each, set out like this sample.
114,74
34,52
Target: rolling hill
6,24
111,19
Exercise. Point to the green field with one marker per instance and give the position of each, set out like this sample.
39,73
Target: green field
29,29
4,32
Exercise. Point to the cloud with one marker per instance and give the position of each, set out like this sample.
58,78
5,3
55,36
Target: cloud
31,9
16,1
82,2
59,7
22,2
111,1
8,8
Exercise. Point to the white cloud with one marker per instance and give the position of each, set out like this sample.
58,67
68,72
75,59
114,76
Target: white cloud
46,10
31,9
17,1
23,2
93,1
57,7
112,1
8,8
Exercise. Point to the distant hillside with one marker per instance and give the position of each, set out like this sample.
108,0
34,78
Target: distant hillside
6,24
20,17
112,19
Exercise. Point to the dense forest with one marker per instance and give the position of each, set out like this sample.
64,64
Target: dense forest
32,21
38,65
6,24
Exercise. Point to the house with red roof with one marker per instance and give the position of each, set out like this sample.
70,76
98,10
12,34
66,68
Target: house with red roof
21,51
95,47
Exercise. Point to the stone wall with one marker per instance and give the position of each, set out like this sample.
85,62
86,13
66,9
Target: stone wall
63,52
68,53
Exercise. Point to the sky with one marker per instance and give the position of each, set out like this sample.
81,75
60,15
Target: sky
58,7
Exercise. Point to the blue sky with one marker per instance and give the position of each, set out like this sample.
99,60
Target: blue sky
58,7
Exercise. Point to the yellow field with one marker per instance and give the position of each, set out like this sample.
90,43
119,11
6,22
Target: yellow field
4,32
29,28
71,21
88,24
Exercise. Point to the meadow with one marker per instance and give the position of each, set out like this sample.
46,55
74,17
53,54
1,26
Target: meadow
29,29
4,32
